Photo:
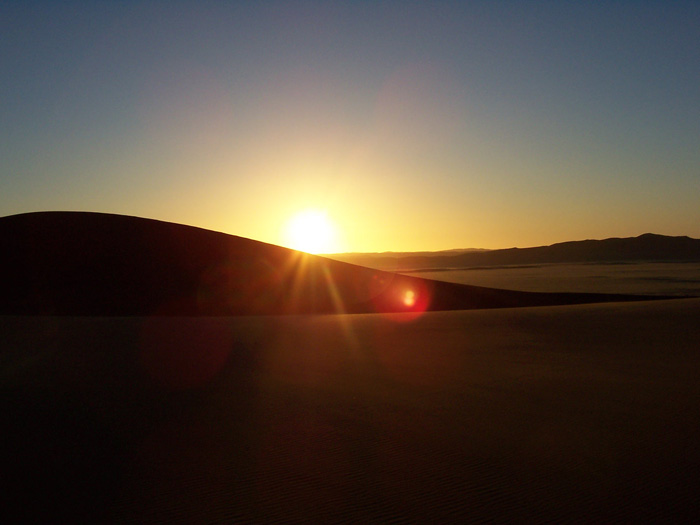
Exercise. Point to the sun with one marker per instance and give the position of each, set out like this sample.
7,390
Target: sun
311,231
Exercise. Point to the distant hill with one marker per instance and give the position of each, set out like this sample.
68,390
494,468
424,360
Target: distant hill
647,247
80,263
455,251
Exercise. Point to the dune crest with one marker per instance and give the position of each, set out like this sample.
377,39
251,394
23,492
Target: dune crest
85,263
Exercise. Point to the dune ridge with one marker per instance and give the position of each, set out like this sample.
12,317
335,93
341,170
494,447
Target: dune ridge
85,263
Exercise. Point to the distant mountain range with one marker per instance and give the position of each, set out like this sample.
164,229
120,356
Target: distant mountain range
80,263
647,247
455,251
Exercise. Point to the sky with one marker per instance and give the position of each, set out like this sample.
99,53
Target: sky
408,125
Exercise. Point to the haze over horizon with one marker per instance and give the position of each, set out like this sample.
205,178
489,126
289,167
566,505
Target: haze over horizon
409,126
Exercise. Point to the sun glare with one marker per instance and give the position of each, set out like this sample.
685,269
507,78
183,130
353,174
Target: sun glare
311,231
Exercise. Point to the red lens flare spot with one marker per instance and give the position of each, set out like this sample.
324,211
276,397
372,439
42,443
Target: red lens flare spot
409,298
405,300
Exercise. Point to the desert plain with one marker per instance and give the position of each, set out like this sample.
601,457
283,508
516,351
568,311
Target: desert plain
582,413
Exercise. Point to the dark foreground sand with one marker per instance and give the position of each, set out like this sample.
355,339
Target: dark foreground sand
566,414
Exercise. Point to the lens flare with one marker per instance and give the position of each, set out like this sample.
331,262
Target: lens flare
409,298
404,299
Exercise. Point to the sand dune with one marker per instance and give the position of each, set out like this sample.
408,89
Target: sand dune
159,389
570,413
73,263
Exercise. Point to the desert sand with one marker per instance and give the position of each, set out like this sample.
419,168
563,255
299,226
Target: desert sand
82,263
582,413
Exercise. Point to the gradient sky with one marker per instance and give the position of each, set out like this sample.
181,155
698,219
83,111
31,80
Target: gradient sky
414,126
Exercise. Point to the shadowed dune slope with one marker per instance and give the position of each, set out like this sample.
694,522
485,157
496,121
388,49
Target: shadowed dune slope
575,414
82,263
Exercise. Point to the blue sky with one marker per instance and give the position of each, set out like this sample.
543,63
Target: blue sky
414,126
